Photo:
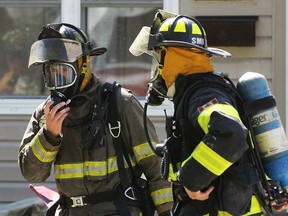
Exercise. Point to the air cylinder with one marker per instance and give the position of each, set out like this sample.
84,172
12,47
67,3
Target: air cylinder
267,127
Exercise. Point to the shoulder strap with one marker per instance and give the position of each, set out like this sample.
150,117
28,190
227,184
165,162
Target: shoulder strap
114,124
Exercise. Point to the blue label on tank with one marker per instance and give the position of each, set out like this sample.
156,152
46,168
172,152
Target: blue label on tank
266,127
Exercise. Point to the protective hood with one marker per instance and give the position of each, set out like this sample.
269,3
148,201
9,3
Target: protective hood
185,62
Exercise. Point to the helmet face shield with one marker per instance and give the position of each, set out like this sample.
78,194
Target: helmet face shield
62,42
55,49
140,44
59,75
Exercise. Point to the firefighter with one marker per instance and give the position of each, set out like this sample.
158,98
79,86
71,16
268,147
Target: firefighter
206,149
87,178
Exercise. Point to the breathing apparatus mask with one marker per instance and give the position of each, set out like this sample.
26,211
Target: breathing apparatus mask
64,81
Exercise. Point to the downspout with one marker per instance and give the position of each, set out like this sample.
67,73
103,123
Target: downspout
71,12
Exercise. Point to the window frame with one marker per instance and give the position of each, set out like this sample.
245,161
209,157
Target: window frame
22,105
10,105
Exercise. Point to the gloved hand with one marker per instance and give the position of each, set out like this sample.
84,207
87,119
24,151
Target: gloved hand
281,207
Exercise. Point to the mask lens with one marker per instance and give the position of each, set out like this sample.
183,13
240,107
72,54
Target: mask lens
59,75
140,44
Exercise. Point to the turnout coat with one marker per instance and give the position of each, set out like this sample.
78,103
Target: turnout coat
213,149
79,171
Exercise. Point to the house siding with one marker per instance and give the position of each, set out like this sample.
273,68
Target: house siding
267,56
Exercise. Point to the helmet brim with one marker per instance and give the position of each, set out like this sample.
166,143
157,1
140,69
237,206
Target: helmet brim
97,51
141,45
210,50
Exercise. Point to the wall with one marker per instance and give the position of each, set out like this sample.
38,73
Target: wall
268,55
13,186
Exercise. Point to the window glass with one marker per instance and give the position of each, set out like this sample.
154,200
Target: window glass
116,29
20,27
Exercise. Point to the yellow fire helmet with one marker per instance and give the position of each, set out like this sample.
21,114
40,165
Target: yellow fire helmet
174,31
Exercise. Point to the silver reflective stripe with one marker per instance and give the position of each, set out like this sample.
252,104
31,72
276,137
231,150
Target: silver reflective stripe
42,154
143,151
88,168
162,196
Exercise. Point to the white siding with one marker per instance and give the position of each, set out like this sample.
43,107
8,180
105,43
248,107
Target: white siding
12,184
268,55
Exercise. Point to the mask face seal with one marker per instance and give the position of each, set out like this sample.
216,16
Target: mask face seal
59,75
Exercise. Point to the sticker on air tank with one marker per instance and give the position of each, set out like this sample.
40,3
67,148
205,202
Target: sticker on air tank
269,133
272,142
265,121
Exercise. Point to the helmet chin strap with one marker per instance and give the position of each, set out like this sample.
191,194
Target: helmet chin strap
83,70
85,73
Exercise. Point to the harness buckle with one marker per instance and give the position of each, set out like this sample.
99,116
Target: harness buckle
78,201
132,191
118,127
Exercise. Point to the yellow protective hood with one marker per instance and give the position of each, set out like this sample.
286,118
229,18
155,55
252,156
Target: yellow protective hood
184,61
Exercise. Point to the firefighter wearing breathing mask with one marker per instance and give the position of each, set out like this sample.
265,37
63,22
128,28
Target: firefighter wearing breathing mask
205,154
87,176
